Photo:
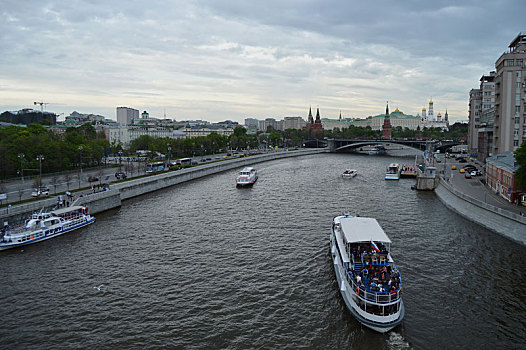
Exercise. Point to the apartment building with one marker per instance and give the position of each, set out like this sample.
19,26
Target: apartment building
509,129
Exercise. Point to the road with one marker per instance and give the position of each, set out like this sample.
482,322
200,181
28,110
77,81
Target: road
474,187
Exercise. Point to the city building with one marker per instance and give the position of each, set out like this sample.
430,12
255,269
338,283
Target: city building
201,131
264,124
293,123
481,115
27,116
251,123
125,134
509,129
126,115
500,176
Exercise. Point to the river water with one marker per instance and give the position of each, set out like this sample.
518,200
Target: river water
204,265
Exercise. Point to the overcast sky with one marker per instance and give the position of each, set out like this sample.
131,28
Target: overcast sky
232,59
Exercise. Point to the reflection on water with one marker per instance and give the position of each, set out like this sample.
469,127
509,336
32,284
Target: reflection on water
206,265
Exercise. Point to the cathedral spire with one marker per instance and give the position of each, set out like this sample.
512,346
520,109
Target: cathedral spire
387,109
310,120
318,120
340,115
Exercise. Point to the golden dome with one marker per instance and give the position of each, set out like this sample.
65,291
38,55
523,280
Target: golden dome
430,102
439,115
423,109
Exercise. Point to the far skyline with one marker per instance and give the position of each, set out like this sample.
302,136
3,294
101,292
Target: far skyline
234,60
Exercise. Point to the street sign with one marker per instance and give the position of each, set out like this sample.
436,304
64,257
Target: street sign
3,196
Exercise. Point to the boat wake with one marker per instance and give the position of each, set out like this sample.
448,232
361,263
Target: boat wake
397,342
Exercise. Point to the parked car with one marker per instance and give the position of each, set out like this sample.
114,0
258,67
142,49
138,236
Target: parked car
454,167
42,191
474,173
467,175
93,179
462,171
462,160
119,175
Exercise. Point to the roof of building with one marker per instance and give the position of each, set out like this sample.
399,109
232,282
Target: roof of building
504,160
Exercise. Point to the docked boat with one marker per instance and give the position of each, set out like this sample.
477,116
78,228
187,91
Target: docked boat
393,172
350,173
247,177
45,225
408,170
368,279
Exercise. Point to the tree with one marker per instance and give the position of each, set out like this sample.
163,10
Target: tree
520,158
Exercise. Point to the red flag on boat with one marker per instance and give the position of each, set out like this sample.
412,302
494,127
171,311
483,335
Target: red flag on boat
375,247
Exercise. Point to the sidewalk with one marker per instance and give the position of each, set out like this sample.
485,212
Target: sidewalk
475,188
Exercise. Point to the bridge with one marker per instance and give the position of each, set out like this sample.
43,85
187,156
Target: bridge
349,145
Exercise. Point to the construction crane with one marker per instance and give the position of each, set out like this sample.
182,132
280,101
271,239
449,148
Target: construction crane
41,105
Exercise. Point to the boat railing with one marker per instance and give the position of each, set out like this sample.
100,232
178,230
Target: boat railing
376,297
364,294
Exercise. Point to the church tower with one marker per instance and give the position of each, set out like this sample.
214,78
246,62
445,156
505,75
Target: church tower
424,115
446,119
430,115
318,119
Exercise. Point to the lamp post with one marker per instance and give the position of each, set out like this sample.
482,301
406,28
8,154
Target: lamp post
169,151
21,156
40,158
80,163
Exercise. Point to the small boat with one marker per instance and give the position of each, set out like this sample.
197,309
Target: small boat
44,225
247,177
368,279
377,150
393,172
408,170
350,173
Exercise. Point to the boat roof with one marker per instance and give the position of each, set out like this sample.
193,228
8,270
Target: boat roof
249,169
67,210
360,229
393,165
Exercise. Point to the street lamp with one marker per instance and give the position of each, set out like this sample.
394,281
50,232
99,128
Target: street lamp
21,156
169,150
40,158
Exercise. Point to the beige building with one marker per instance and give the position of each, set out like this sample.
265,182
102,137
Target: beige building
198,131
125,134
510,86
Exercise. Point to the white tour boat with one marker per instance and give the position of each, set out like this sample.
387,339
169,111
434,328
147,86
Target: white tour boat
44,225
393,172
247,177
350,173
368,278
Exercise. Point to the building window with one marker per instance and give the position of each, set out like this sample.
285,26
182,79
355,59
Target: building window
515,142
519,74
518,97
519,62
516,132
508,63
517,120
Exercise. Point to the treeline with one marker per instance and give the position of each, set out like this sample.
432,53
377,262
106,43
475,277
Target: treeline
20,147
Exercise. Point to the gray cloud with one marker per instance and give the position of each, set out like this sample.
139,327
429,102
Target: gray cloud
231,59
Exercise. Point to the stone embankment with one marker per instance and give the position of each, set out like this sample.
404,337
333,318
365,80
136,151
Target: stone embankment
112,198
499,220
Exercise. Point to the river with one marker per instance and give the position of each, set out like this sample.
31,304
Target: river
204,265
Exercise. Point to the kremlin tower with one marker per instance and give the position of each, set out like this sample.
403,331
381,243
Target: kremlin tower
314,125
430,116
386,128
